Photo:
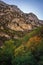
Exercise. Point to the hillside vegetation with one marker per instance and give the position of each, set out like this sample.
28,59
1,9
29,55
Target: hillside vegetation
27,50
21,37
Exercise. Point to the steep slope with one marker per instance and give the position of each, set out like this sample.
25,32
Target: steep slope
14,23
31,41
21,37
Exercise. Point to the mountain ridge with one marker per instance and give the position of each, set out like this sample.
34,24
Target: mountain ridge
14,23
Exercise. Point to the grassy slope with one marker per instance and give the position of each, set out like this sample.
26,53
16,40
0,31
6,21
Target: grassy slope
26,51
30,40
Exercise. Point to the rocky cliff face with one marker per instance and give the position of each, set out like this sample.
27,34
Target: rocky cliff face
14,22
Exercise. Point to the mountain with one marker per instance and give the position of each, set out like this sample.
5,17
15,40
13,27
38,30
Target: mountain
14,23
21,37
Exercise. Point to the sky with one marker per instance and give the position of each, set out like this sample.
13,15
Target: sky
27,6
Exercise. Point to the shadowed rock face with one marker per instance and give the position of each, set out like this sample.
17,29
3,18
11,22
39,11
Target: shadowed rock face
13,21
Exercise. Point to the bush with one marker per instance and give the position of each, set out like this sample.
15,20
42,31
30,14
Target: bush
7,53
